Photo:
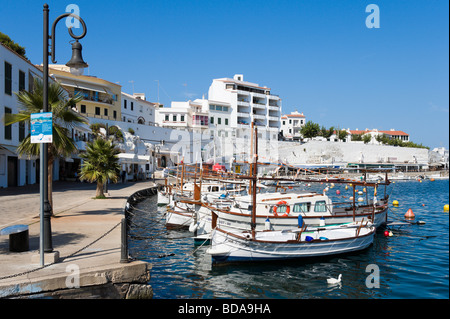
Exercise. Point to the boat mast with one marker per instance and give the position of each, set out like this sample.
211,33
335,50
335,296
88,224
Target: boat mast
254,173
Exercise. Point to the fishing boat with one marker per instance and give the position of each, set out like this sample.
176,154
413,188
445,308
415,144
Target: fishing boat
298,242
181,210
280,211
229,246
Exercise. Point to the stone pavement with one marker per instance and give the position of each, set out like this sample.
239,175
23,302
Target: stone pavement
78,221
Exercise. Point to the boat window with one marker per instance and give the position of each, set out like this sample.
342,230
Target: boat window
320,207
209,188
302,207
215,189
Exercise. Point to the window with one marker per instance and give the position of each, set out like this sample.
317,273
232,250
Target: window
166,118
83,108
229,86
226,121
320,206
212,120
219,121
106,112
8,78
21,81
115,114
97,110
132,106
218,107
301,207
182,118
174,118
21,131
8,131
225,108
124,104
290,121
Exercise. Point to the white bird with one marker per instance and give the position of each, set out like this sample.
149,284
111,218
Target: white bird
333,281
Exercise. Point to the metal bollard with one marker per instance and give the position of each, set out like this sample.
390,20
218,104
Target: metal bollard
124,243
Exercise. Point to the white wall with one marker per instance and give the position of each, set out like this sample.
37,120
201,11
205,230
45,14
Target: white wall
327,152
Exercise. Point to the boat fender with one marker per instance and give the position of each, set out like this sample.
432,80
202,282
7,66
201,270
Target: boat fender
309,238
267,225
193,227
300,221
323,238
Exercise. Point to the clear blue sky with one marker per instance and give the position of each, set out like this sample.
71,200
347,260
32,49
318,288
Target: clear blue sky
318,55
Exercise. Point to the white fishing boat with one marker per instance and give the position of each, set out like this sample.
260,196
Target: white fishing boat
181,212
229,246
280,211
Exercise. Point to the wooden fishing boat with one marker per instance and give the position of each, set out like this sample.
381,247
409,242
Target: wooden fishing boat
227,246
299,242
280,211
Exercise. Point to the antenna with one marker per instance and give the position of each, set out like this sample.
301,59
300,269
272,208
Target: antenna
158,89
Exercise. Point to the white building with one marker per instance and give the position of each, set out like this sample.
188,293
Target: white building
190,115
291,125
247,102
135,109
16,74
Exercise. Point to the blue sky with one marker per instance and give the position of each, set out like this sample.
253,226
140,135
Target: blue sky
318,55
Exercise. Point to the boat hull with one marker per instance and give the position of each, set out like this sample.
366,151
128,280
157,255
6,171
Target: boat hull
230,247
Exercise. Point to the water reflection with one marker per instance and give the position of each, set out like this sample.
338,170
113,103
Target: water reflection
413,263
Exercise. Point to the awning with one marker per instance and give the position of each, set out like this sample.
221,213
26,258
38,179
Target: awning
9,148
81,85
131,158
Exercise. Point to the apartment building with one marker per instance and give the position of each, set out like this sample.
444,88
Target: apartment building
101,98
16,74
190,115
248,102
291,124
135,109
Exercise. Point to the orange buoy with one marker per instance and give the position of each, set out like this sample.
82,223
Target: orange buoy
409,214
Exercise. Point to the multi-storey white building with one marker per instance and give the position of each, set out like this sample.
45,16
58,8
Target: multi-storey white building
135,109
291,124
190,115
247,102
16,74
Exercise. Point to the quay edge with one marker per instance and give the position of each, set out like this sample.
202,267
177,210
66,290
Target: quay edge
97,272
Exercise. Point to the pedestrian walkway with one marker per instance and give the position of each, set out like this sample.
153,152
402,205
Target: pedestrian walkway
78,221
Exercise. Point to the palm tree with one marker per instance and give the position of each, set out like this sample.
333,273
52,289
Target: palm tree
100,164
64,118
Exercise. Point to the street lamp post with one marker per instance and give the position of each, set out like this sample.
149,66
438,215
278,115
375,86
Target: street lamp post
76,65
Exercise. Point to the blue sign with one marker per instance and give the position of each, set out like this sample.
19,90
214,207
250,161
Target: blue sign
41,127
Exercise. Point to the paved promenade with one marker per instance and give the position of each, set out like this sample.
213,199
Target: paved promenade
79,220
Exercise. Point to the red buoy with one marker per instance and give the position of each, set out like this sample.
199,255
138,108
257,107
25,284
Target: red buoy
338,192
409,214
386,233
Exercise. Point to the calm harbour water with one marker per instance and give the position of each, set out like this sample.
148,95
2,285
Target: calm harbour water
412,264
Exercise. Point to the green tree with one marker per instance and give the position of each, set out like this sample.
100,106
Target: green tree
367,138
342,134
6,40
326,133
356,137
63,119
310,129
100,164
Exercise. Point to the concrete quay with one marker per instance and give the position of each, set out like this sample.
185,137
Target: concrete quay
79,220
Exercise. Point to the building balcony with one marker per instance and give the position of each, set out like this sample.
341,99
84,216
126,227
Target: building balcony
259,106
259,116
259,95
243,103
240,92
273,118
273,108
243,114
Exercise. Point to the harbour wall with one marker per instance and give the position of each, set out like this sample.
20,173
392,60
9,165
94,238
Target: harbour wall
324,152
